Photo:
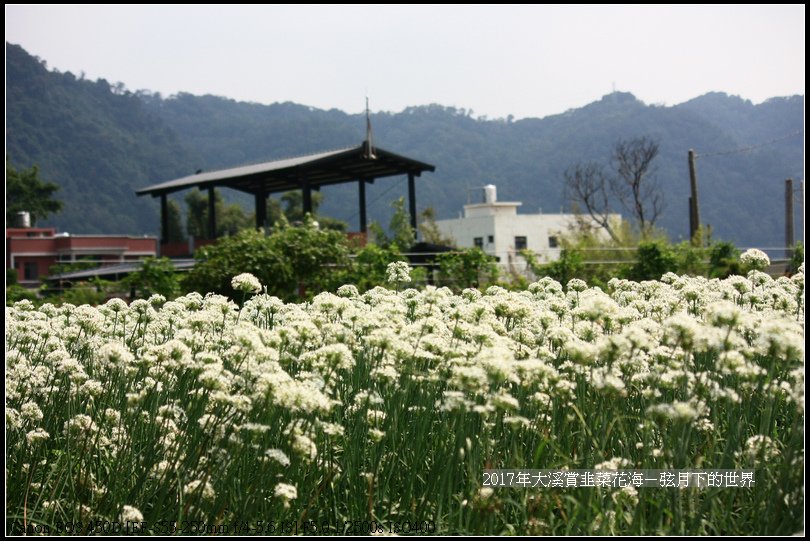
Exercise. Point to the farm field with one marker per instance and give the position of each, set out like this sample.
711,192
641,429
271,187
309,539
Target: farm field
378,412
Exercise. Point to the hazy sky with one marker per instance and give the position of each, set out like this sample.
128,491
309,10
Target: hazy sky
528,61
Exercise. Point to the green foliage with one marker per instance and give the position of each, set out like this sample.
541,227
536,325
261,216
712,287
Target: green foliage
80,264
430,230
326,222
16,292
92,293
248,251
467,268
175,215
97,141
156,276
402,236
724,260
690,259
293,201
797,258
230,218
314,255
596,262
653,260
11,277
588,255
377,235
197,216
419,277
568,266
290,261
369,266
293,210
25,191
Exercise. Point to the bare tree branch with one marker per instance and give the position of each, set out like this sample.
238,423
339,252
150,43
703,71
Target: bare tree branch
635,185
587,185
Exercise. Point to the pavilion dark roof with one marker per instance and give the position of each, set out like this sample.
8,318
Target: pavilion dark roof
333,167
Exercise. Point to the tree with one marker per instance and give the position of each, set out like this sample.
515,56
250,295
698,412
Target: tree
25,191
293,210
470,267
287,262
197,218
402,234
632,186
156,275
653,260
430,230
568,266
370,266
230,218
175,233
587,186
293,201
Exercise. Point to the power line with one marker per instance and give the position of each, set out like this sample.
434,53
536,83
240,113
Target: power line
752,147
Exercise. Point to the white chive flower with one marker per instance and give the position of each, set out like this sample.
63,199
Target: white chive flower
398,271
131,514
246,283
755,259
285,493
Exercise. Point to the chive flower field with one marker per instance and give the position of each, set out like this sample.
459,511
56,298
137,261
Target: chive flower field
378,412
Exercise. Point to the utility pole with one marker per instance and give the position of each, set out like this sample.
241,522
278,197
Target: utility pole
801,204
789,217
691,220
694,208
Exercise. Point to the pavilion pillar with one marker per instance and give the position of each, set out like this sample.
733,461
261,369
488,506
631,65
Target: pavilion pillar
212,215
412,200
362,194
261,209
164,219
307,192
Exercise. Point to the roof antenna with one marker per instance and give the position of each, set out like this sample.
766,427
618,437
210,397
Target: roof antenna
369,143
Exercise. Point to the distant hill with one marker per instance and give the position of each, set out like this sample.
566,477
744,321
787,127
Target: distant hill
100,142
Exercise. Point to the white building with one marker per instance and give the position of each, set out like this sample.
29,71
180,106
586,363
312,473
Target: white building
497,228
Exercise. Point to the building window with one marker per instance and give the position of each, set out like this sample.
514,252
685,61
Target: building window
478,242
520,243
30,271
553,242
491,239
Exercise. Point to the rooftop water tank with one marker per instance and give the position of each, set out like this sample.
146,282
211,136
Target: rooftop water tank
24,219
490,194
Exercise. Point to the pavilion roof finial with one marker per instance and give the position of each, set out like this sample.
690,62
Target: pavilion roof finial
369,143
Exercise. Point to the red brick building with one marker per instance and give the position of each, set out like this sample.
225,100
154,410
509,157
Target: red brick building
32,250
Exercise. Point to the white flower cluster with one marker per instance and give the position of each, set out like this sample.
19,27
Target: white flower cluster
210,389
285,492
398,272
131,514
246,283
755,259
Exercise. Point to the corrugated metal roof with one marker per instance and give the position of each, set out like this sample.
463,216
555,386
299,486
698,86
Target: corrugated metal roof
333,167
123,268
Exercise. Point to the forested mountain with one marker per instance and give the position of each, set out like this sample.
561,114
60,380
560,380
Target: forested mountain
97,141
100,142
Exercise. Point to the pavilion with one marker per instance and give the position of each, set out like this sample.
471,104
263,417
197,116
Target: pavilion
362,164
